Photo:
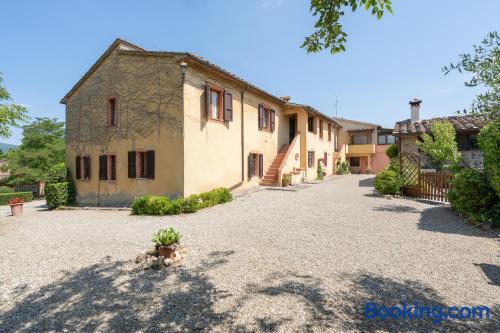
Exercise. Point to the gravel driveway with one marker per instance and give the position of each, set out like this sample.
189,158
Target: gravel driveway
268,261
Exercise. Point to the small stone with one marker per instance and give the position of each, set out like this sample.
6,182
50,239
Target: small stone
167,262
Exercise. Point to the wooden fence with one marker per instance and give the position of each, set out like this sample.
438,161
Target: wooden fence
421,184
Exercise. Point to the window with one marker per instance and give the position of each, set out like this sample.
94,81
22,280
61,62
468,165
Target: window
255,165
310,124
385,139
112,118
321,128
466,141
329,132
219,103
310,159
107,167
82,167
354,161
141,164
267,118
359,139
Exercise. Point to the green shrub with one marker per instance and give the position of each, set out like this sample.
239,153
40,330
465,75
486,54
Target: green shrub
6,189
56,174
489,141
392,151
343,167
494,215
5,197
388,182
151,205
320,172
139,205
471,194
160,205
166,237
57,194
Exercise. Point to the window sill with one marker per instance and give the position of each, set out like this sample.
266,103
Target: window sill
84,180
143,179
265,130
218,121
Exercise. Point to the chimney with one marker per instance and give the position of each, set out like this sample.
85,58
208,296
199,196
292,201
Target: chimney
285,98
415,109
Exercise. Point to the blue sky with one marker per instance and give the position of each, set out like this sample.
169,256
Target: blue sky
46,46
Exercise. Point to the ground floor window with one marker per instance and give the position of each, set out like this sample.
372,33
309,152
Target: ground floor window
141,164
107,167
82,167
310,159
255,165
354,161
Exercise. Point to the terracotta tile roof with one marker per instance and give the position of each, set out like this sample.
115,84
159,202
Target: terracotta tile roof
129,48
313,111
465,123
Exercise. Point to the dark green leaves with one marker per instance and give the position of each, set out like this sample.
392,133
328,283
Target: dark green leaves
329,32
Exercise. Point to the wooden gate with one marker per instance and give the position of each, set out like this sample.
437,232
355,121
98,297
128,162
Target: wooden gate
422,184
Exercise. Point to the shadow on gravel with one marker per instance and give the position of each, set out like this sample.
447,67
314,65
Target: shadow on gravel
108,296
442,219
388,292
492,272
396,209
368,182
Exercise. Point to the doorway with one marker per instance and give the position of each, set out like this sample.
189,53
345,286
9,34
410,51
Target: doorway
292,127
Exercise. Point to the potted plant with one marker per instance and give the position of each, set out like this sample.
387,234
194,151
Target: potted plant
16,206
287,180
166,242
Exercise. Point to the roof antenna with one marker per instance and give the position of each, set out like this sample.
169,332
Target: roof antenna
336,108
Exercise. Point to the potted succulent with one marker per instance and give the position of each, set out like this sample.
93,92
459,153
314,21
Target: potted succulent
166,242
16,206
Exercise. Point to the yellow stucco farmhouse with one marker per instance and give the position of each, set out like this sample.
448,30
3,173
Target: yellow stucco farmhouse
172,123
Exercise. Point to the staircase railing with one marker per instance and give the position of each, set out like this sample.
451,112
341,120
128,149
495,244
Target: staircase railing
289,163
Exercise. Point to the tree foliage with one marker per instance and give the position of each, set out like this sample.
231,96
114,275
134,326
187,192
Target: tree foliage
484,66
441,147
489,142
11,115
42,147
329,33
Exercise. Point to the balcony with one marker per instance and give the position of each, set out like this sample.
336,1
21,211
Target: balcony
360,149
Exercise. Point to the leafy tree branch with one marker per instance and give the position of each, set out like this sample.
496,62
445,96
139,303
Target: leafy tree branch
11,115
329,33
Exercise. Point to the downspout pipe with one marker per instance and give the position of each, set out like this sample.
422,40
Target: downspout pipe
242,136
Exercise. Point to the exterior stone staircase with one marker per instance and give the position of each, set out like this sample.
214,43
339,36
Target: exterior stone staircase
271,176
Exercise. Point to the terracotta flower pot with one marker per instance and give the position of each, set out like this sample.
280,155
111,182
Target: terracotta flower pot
17,209
167,251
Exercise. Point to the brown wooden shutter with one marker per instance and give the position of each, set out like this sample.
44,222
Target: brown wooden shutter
251,166
131,164
273,119
103,167
112,160
207,92
261,113
150,164
78,168
315,125
228,106
261,165
86,167
325,159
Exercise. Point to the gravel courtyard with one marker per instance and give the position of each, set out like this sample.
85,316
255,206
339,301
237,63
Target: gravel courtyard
270,261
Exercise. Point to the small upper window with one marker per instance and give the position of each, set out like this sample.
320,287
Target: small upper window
310,159
112,119
215,109
310,124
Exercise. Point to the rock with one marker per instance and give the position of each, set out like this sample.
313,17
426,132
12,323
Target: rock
167,262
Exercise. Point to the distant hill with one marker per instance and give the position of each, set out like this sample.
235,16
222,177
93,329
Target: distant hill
5,147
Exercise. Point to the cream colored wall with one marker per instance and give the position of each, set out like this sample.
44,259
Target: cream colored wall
149,99
320,146
290,162
213,150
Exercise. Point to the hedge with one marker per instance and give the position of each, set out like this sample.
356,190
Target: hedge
388,182
5,197
57,194
161,205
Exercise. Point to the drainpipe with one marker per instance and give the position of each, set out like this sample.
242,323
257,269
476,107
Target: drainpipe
184,67
242,137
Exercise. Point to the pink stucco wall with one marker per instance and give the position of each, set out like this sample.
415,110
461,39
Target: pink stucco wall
379,159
